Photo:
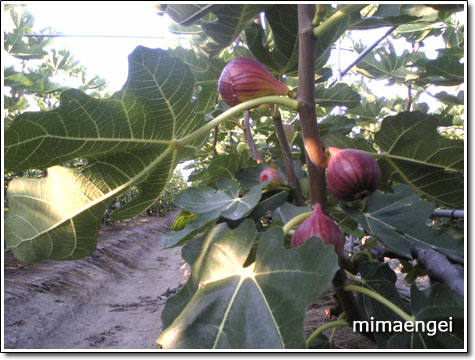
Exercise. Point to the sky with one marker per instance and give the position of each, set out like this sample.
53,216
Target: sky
106,57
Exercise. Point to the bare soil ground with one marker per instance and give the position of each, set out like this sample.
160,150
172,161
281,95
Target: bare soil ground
110,300
113,299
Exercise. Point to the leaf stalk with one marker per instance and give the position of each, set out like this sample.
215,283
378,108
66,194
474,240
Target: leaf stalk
205,129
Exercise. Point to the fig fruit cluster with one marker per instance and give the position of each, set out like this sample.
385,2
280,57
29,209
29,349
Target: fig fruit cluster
244,79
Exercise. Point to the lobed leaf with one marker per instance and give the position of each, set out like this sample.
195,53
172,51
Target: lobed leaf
224,305
127,140
423,159
399,219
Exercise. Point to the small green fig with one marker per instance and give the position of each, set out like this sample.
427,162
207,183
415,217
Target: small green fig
241,147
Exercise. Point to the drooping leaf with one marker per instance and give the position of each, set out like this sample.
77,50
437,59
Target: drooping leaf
224,305
187,14
282,56
448,99
446,70
338,95
232,19
126,140
399,219
423,159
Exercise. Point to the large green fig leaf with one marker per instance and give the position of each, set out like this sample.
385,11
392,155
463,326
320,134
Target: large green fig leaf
206,72
398,219
226,305
423,159
282,56
127,140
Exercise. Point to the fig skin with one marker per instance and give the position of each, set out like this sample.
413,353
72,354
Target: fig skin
322,226
244,79
273,175
352,174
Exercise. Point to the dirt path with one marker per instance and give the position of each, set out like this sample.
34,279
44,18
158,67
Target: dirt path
112,299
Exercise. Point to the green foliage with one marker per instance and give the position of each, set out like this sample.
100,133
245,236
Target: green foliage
247,289
226,305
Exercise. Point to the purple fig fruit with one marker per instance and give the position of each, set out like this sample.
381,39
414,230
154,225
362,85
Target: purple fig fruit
273,175
352,174
322,226
244,79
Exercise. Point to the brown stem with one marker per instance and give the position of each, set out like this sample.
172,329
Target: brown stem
288,162
215,141
250,140
315,157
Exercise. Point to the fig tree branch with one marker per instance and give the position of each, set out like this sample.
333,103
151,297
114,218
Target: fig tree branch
249,139
316,160
215,140
288,162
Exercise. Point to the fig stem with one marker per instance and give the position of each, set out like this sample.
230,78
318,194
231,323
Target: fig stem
205,129
321,329
314,155
296,221
249,139
337,16
405,316
287,156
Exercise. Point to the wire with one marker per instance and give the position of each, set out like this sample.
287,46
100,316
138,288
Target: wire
99,36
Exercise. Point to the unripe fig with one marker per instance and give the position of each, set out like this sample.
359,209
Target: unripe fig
322,226
352,174
241,147
244,79
273,175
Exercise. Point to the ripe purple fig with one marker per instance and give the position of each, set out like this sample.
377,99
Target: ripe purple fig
244,79
322,226
273,175
352,174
